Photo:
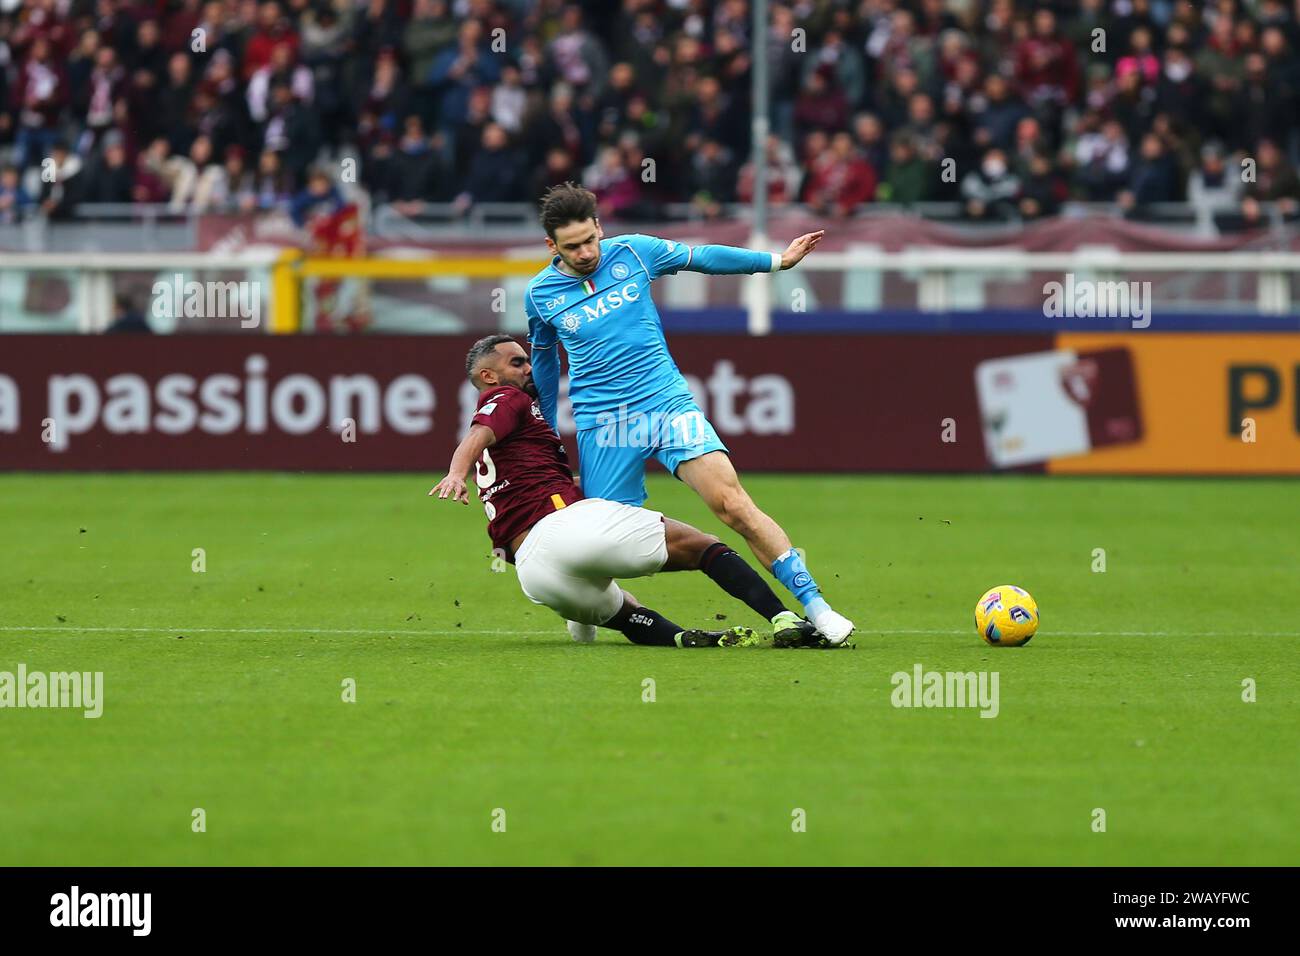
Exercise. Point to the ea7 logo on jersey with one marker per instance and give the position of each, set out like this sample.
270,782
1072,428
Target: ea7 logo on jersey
612,300
556,302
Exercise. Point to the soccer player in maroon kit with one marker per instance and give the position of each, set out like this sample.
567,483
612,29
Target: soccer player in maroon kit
567,548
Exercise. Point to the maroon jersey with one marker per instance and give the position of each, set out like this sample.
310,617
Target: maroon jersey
525,476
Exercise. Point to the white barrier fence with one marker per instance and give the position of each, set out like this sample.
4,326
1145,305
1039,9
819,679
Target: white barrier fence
79,288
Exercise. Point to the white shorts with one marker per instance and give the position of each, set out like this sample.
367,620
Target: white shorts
569,560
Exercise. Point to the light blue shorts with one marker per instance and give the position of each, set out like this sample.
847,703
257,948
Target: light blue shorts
612,455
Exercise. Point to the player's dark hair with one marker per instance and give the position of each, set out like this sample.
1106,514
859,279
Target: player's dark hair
482,349
564,204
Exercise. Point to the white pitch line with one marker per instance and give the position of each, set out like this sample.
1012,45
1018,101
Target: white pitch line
867,633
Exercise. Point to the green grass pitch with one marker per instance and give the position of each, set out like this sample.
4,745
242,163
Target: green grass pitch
223,689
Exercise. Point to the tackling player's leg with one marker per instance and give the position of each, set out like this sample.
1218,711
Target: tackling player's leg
643,625
714,479
690,549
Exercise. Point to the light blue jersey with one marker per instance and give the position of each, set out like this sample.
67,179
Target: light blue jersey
610,328
630,402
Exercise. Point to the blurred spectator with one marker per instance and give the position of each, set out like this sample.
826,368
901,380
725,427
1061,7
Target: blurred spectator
991,191
279,69
1213,186
197,178
459,70
1139,59
14,201
578,55
715,116
894,45
782,174
615,102
384,96
846,69
712,177
921,125
111,180
841,180
508,99
235,188
559,128
1275,181
910,176
430,32
170,107
320,197
60,194
616,187
272,186
1261,110
291,130
558,168
273,30
106,86
128,318
1042,189
1179,91
495,171
416,168
153,175
1101,157
39,93
820,106
869,137
1152,179
1046,66
996,113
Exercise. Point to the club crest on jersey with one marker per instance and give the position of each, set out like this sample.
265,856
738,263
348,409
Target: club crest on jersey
537,412
619,270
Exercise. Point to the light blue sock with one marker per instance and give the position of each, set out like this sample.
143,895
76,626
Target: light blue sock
790,570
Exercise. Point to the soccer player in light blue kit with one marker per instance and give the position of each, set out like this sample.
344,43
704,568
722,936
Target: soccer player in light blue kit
629,400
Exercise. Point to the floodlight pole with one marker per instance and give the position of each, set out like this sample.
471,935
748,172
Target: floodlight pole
760,284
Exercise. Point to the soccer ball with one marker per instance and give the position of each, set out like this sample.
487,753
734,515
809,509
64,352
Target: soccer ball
1006,616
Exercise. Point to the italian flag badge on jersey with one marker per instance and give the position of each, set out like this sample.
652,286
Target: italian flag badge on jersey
588,286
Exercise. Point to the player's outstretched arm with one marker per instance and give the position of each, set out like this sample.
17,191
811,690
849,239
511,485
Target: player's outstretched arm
730,260
467,452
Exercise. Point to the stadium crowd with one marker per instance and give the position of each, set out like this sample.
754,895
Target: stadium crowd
1008,108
